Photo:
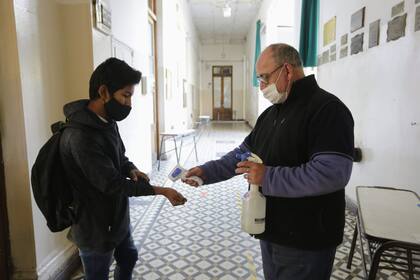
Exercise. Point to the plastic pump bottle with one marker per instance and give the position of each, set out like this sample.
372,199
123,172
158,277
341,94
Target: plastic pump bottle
253,205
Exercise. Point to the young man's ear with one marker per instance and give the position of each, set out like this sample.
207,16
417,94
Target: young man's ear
103,93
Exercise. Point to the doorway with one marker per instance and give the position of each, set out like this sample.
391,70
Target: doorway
222,93
4,229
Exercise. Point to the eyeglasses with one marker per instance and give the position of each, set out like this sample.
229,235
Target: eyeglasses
264,78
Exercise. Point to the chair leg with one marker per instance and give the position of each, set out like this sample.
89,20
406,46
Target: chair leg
195,149
410,265
362,252
176,151
160,151
374,266
180,148
353,246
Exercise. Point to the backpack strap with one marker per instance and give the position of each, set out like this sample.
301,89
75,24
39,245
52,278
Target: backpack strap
57,126
60,126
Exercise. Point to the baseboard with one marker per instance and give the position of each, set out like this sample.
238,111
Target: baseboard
62,266
232,121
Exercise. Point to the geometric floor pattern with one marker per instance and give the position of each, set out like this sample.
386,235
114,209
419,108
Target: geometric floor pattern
203,239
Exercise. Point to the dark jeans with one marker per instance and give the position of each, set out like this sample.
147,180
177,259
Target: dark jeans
285,263
96,265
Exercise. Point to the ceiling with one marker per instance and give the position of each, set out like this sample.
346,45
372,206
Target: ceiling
213,28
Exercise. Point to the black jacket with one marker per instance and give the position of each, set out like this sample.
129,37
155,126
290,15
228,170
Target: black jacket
95,165
310,122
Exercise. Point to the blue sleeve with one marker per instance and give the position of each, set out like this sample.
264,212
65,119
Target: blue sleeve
223,168
324,173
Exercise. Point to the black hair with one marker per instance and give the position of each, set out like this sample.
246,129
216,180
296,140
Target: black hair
115,74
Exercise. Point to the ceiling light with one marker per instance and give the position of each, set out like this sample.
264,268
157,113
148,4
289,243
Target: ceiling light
227,11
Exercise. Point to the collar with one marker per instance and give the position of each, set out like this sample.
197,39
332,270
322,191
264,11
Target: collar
102,119
302,87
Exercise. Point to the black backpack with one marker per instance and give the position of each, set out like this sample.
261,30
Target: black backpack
52,191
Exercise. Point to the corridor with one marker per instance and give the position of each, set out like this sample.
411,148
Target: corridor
202,240
349,69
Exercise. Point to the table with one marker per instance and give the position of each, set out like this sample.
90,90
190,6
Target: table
177,134
389,220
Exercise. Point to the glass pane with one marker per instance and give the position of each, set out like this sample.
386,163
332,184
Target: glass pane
227,71
227,92
216,70
217,94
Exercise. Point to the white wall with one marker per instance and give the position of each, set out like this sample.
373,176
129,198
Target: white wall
380,86
54,58
180,60
13,140
274,15
177,52
129,26
211,55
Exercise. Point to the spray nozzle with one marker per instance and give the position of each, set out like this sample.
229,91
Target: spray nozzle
244,156
249,156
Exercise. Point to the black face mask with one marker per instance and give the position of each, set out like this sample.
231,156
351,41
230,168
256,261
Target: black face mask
116,111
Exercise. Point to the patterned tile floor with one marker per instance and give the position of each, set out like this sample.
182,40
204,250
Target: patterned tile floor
203,239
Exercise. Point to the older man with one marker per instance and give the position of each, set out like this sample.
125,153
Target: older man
306,142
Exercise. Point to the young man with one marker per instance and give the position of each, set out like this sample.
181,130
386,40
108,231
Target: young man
305,140
94,158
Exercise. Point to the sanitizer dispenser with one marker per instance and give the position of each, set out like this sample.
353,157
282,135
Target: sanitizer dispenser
253,204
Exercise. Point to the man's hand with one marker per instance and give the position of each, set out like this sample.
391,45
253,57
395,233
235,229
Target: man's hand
174,197
195,171
136,174
253,172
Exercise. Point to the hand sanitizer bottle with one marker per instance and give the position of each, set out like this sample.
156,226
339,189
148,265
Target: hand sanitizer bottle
253,206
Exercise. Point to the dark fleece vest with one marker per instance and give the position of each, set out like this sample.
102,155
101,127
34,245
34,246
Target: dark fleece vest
310,122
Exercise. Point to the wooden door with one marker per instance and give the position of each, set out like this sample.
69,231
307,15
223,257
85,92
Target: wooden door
222,93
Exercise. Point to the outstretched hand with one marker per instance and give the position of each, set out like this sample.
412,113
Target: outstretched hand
195,171
174,197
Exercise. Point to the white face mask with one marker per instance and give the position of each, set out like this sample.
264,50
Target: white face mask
271,93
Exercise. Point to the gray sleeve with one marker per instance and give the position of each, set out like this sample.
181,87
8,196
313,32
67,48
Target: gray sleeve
223,168
325,173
